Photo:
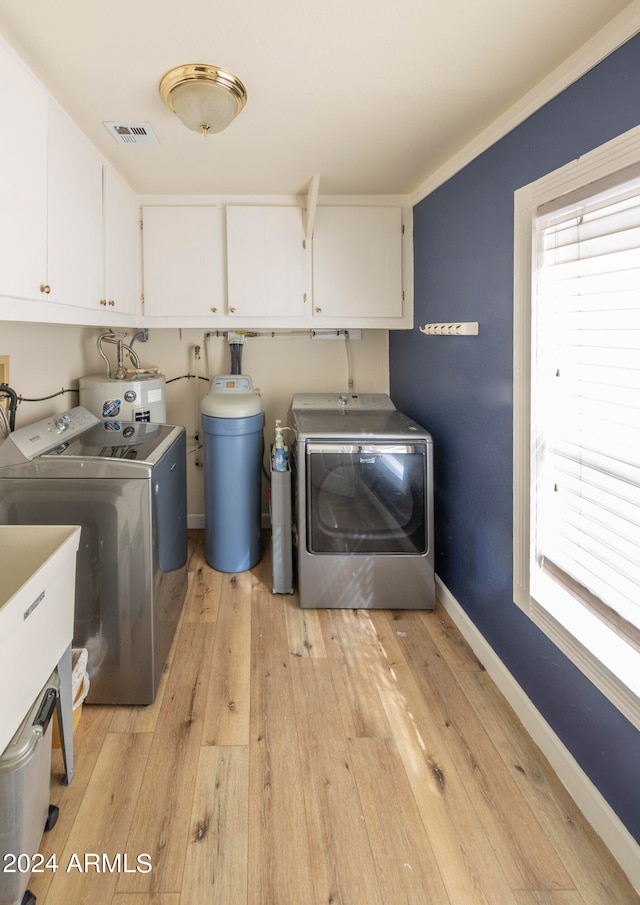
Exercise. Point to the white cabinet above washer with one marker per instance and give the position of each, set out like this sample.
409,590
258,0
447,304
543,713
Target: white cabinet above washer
182,261
23,178
73,274
121,219
56,251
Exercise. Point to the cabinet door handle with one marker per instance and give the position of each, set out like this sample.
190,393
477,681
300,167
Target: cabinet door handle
318,310
103,302
215,310
112,303
232,310
45,288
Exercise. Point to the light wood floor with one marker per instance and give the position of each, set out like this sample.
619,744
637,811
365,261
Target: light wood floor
316,758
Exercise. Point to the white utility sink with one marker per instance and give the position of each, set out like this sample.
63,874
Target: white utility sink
37,591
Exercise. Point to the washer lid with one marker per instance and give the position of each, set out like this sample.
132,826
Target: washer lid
139,441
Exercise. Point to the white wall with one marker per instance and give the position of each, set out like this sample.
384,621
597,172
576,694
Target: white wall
43,360
46,358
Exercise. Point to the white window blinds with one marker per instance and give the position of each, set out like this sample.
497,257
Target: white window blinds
586,398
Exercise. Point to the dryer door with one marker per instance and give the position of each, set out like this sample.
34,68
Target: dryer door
365,498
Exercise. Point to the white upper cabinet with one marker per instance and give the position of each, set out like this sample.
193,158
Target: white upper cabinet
74,271
23,179
69,235
61,241
357,263
355,271
121,292
182,261
268,262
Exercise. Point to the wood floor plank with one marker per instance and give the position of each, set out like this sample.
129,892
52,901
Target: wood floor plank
263,569
455,650
529,862
303,629
583,853
343,868
470,870
161,823
406,867
141,719
216,861
547,897
142,898
203,594
227,711
353,650
279,847
101,828
195,549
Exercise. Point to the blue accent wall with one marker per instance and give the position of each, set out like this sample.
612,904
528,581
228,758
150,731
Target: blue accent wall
460,388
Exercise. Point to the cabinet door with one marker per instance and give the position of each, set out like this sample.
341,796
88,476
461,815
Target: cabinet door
182,261
23,179
74,271
267,262
357,262
121,245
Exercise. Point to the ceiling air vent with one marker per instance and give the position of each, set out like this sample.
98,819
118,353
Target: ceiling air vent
132,133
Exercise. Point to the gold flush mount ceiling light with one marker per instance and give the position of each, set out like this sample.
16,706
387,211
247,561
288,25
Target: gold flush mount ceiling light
205,98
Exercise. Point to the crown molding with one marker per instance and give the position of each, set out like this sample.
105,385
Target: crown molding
616,33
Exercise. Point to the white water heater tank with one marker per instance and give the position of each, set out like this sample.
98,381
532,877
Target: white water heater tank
135,398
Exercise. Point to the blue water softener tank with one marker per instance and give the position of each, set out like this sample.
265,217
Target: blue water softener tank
232,422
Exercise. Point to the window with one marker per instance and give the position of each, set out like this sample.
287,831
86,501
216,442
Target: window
577,414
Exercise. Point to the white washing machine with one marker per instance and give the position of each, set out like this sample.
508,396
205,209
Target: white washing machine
136,397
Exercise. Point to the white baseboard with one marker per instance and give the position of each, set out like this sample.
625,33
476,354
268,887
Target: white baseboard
597,811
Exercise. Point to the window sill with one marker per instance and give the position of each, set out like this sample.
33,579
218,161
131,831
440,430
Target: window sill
602,655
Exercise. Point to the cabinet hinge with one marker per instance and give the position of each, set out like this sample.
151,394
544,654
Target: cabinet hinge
403,229
141,224
403,295
142,298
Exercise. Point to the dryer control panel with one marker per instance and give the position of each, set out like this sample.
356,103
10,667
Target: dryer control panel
334,402
41,436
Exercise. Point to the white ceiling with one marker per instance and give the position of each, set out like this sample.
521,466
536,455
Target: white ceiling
372,96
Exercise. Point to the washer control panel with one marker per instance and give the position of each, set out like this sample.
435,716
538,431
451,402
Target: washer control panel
41,436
